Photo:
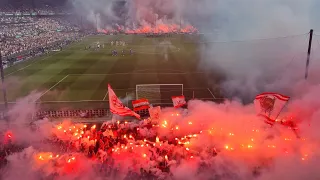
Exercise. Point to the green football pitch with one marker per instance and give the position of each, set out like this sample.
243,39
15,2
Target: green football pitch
78,78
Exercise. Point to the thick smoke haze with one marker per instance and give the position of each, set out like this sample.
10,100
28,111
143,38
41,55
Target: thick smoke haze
232,19
249,67
252,66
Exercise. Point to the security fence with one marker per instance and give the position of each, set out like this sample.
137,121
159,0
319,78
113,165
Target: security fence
88,109
91,113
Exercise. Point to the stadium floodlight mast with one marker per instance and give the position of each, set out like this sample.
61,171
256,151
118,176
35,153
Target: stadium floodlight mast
3,86
309,52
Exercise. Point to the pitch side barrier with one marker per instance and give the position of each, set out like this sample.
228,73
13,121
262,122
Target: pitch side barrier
98,113
90,113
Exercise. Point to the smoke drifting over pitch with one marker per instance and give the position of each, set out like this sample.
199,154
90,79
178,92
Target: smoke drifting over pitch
249,67
134,16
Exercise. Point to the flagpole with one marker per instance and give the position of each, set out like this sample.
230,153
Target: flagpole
309,52
281,110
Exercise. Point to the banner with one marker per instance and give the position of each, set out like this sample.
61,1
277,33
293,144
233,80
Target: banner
179,101
155,112
140,104
19,57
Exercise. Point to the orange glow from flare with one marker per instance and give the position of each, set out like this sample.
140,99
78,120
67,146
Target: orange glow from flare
163,28
9,135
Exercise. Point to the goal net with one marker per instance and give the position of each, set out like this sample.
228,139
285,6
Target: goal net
158,93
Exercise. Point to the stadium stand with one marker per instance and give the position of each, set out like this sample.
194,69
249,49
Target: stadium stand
26,31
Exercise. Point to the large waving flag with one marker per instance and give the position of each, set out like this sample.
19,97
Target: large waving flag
269,105
116,106
178,101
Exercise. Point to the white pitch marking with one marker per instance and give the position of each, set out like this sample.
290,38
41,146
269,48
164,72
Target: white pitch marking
133,73
53,86
18,70
211,93
35,61
105,96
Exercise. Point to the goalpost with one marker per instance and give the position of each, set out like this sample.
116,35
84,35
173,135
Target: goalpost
157,93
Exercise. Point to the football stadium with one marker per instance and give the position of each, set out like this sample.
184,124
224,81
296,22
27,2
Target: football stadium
159,89
77,76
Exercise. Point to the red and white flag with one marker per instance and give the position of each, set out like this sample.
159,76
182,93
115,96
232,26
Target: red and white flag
155,112
140,104
178,101
116,106
270,105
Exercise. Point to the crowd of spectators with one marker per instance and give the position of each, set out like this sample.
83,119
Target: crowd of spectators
28,34
41,32
44,9
11,10
100,147
28,30
16,19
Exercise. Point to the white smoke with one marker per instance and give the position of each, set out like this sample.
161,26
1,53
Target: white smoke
165,46
249,68
130,13
127,99
21,119
94,11
252,66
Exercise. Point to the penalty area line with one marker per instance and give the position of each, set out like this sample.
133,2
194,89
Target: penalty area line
211,93
105,96
19,70
35,61
53,86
